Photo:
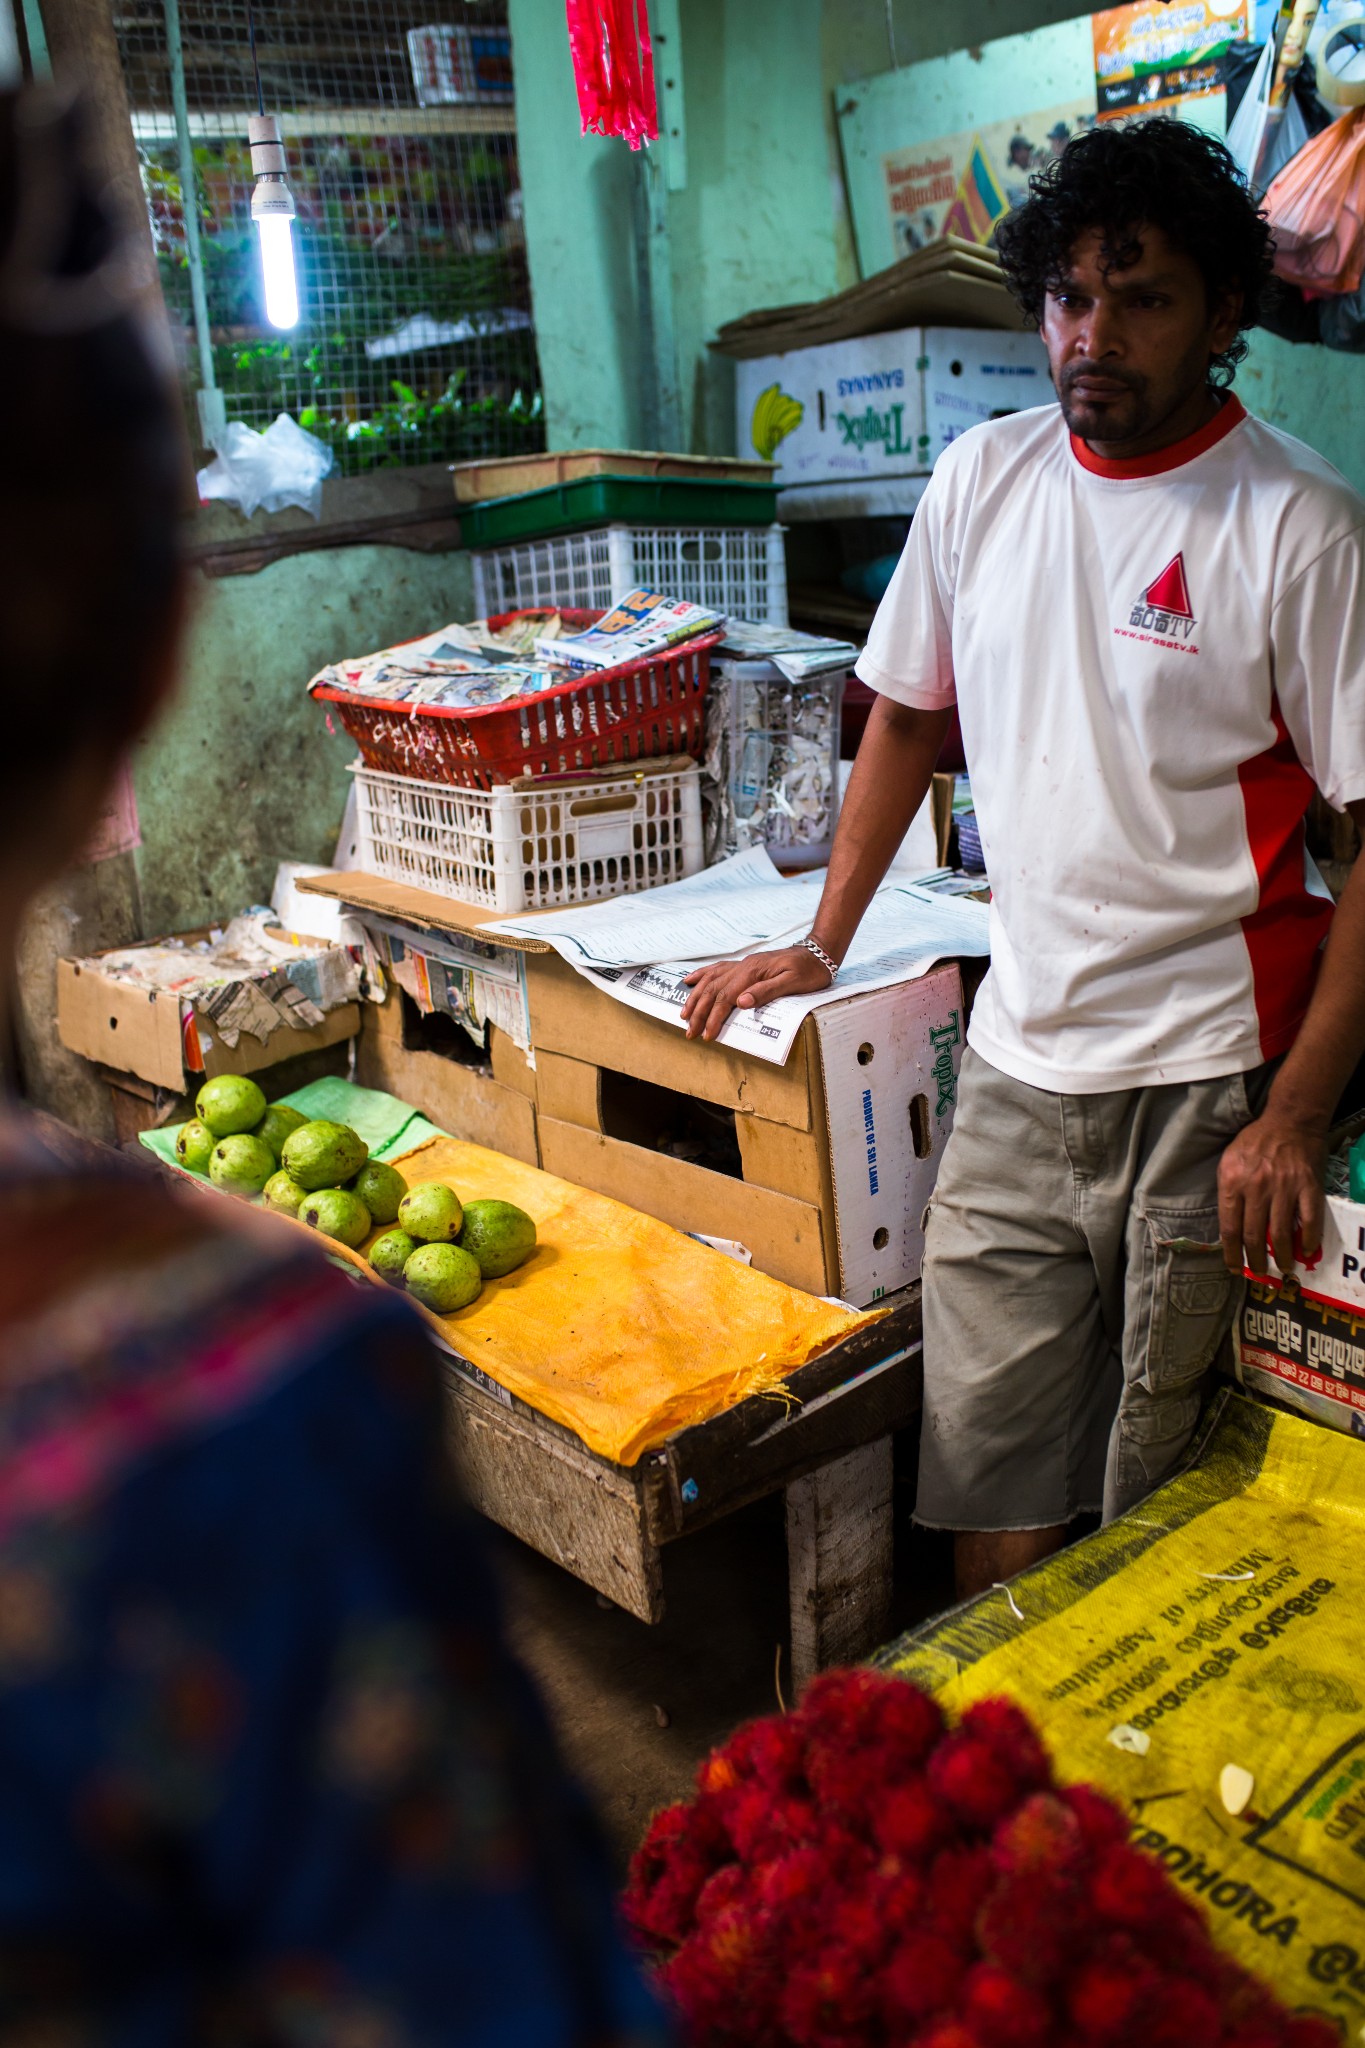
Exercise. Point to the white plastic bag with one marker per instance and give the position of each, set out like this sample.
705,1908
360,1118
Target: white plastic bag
283,466
1261,138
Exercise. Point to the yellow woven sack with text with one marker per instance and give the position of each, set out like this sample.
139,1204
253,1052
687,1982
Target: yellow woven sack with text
1219,1625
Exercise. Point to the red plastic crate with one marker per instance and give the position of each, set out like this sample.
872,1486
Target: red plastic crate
644,709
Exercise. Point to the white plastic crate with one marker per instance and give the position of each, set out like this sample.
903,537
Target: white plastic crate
515,848
738,570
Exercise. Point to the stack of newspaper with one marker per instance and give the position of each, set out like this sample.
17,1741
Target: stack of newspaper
640,624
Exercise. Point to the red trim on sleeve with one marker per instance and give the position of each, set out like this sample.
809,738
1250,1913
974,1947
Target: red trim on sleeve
1229,415
1285,932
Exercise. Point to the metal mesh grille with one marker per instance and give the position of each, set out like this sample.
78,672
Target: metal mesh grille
414,341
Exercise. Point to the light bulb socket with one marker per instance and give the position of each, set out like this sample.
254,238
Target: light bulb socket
267,150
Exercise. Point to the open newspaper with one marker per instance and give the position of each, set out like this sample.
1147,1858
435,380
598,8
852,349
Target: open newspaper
640,949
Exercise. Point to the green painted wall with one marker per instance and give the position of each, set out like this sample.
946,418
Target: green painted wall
581,204
241,772
755,225
1317,394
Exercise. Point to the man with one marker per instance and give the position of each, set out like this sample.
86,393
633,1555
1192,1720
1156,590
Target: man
1146,606
1018,164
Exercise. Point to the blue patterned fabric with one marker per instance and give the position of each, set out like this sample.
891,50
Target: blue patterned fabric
268,1774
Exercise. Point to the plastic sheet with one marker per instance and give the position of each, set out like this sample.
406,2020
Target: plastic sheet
620,1327
265,472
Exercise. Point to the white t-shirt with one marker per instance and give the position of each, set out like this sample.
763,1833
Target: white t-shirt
1154,662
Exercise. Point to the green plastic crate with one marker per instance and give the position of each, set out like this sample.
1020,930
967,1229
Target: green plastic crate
616,501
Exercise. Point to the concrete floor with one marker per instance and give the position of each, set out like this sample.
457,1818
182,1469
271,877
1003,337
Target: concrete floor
636,1708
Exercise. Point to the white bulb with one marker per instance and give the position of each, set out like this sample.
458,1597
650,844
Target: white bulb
277,264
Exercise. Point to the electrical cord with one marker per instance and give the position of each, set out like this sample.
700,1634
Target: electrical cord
255,63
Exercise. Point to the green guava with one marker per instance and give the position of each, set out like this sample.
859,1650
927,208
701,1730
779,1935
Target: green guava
443,1278
194,1142
390,1253
230,1104
240,1165
498,1236
323,1154
431,1212
337,1213
381,1189
276,1125
283,1194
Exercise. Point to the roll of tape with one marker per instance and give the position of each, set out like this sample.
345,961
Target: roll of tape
1341,66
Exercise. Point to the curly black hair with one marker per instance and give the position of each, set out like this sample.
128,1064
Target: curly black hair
1122,178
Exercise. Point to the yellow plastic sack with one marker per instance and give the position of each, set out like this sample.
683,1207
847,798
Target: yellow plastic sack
1219,1624
620,1327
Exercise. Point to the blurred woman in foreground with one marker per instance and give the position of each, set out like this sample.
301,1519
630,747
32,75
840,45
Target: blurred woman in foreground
267,1774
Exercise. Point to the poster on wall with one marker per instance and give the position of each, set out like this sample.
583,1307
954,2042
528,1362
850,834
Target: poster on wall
958,135
962,184
1154,59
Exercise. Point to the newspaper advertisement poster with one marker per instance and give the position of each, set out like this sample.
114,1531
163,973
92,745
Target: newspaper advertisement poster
963,184
1151,59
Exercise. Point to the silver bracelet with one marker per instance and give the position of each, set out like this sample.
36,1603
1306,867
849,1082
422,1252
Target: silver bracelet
831,967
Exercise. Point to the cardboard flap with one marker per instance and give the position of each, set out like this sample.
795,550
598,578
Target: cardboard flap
415,906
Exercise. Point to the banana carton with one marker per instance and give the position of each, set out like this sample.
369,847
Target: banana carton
883,405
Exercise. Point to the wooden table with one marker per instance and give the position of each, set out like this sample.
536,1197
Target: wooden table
828,1447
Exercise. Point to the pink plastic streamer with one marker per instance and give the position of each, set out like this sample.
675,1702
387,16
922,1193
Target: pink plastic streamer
613,65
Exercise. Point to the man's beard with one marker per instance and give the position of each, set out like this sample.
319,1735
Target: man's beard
1121,413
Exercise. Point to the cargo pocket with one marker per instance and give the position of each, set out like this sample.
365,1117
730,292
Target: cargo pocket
1180,1312
1190,1297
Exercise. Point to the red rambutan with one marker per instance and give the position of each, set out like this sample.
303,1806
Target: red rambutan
947,2033
1309,2030
909,1720
827,2000
976,1784
1182,2014
1041,1835
1033,1926
922,1976
1108,2002
1131,1889
956,1886
897,1891
911,1822
1007,1731
679,1853
1006,2013
1102,1822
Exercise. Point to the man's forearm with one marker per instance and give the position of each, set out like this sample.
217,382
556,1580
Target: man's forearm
890,780
1309,1084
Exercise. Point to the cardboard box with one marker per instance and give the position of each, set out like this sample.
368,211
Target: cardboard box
157,1035
835,1155
1302,1339
1304,1350
462,1095
887,405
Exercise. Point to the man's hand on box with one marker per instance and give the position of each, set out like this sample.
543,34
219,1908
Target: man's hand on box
748,984
1270,1186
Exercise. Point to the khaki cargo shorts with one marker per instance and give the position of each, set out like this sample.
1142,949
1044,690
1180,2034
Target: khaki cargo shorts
1075,1295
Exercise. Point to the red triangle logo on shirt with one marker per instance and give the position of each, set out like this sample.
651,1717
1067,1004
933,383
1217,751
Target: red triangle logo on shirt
1170,592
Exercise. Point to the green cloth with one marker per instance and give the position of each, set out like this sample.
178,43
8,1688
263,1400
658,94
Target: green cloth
388,1126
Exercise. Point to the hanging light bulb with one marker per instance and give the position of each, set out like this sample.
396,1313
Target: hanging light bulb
272,209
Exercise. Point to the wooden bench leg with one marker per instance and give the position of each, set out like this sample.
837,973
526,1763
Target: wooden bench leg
839,1543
